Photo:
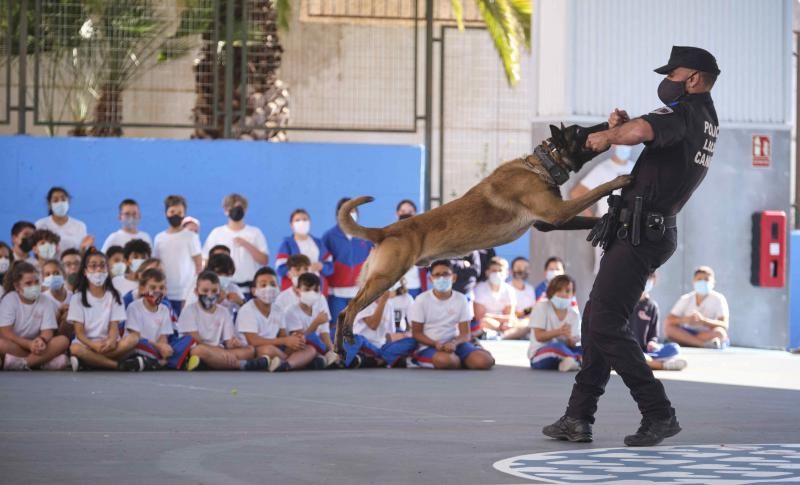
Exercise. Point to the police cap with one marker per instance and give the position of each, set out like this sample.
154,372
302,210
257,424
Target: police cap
690,57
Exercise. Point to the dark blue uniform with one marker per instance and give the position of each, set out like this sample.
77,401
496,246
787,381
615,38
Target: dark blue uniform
669,170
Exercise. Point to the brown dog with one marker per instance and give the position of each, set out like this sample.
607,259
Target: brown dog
500,209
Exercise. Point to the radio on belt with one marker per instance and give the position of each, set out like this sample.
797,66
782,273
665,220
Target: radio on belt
768,268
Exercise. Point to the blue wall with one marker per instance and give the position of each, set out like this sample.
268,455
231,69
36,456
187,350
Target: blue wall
794,289
276,178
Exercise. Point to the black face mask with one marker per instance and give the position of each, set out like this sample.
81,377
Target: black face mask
72,280
236,214
521,275
174,221
403,216
26,245
669,91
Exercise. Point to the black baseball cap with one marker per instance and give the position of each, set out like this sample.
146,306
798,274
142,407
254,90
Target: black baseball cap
692,58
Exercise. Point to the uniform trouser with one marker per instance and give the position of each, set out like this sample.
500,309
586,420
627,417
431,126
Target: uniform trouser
606,338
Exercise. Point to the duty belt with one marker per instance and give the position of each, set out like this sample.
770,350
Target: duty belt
635,221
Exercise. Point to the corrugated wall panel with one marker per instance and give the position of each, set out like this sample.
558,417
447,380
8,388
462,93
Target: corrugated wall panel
617,43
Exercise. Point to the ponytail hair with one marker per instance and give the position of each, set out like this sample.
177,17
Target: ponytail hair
82,286
15,272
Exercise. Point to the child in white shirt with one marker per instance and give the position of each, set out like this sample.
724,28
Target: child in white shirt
135,253
211,326
149,321
376,344
495,300
556,328
28,322
264,326
56,292
129,217
440,323
95,311
71,231
309,317
179,252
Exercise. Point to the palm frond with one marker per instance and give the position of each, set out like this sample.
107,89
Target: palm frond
509,25
458,12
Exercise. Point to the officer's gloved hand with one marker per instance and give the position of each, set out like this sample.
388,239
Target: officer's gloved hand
596,234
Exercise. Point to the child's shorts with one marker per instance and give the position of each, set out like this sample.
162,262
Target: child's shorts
424,357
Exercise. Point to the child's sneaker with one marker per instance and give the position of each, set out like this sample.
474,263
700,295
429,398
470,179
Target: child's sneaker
318,363
76,364
193,363
331,358
356,363
13,362
568,364
151,364
276,364
675,364
57,363
259,363
714,343
132,364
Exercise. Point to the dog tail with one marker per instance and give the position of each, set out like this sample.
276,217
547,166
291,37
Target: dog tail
350,226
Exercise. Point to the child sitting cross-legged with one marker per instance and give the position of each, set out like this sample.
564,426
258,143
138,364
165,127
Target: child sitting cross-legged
211,326
309,317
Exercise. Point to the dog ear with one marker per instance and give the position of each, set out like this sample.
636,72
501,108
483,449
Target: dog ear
555,132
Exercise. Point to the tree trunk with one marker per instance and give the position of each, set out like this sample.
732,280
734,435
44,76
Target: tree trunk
108,112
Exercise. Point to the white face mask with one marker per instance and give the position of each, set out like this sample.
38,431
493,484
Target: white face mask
301,228
552,273
60,209
225,282
308,297
97,279
31,292
267,294
4,264
118,269
496,278
135,264
47,250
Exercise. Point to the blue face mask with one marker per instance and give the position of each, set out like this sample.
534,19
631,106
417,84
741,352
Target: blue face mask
702,287
443,284
560,303
623,152
648,287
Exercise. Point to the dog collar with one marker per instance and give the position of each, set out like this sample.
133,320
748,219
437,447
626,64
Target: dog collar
554,169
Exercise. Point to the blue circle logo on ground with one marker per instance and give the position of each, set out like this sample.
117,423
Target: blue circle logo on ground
684,464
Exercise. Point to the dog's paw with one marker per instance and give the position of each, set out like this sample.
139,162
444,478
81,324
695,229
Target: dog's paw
623,181
544,226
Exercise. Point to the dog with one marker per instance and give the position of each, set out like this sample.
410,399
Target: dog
517,195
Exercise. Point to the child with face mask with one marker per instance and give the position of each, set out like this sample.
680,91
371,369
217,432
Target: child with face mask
21,244
216,345
179,252
55,291
553,267
134,254
296,265
495,300
556,328
71,262
700,318
117,266
95,312
6,258
264,327
129,218
71,231
308,318
149,321
45,245
247,244
302,242
643,323
440,324
28,324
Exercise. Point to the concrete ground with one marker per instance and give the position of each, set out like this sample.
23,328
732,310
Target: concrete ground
362,426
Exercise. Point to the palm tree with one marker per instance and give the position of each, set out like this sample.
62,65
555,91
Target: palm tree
509,25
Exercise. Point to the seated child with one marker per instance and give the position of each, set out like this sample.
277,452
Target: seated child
376,343
211,327
95,311
556,328
57,293
263,325
700,318
644,326
440,320
149,321
28,324
309,317
135,253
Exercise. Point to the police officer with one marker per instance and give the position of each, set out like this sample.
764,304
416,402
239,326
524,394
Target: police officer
639,234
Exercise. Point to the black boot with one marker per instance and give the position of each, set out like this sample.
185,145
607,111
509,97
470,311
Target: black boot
570,429
653,431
